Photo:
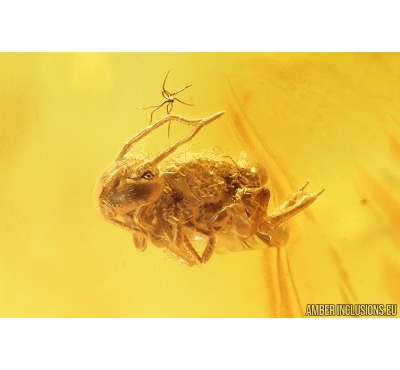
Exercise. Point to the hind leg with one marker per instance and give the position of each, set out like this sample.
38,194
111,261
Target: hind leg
244,215
297,202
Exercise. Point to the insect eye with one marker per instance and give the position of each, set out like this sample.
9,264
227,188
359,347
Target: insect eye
148,175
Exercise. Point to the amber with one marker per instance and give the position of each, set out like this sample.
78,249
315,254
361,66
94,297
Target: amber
332,119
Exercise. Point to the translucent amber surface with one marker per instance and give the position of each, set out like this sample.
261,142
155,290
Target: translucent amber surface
331,119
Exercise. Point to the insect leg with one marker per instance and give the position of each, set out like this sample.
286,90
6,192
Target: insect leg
294,197
209,249
152,106
140,240
180,101
169,107
119,223
183,88
163,86
152,112
166,94
292,206
182,249
156,107
141,220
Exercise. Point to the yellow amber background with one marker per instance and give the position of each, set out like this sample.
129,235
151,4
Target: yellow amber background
332,119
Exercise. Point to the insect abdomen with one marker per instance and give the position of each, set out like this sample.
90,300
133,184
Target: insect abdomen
200,188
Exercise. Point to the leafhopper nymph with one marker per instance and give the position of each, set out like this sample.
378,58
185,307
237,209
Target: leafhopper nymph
184,204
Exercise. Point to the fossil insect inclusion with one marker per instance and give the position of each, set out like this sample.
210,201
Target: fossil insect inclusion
187,204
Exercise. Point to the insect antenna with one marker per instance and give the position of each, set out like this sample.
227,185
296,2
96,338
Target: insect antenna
167,152
167,119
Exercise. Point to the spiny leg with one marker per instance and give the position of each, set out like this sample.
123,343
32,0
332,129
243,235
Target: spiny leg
294,197
292,206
